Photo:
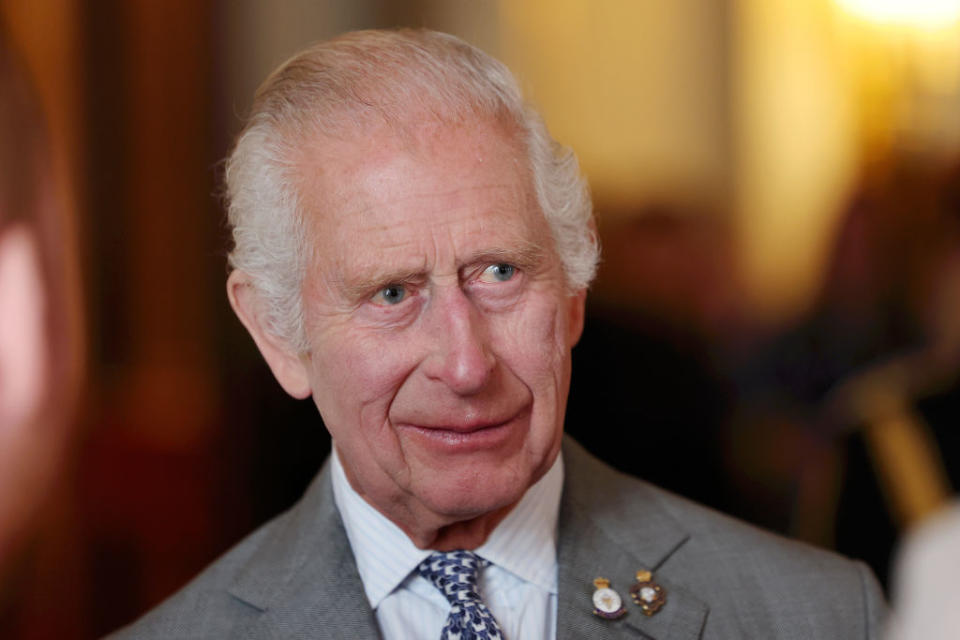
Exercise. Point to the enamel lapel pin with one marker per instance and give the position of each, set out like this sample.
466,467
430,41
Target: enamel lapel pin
606,602
647,594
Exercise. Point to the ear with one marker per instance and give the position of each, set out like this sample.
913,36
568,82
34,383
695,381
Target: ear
575,312
283,360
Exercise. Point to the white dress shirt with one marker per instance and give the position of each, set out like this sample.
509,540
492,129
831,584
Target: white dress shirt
519,586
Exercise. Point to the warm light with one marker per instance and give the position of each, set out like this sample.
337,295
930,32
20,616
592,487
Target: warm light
926,13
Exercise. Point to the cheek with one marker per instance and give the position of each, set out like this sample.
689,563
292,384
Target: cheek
355,377
533,343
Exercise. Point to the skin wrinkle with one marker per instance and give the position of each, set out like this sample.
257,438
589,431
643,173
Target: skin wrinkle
457,350
367,277
312,160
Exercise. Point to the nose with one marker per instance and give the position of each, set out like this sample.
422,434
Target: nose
459,356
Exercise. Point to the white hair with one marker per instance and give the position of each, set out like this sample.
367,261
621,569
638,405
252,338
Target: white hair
340,87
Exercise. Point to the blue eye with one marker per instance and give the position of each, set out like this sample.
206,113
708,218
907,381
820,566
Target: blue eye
390,295
498,272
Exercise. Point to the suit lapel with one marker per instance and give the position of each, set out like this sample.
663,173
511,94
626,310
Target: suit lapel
303,578
610,527
304,581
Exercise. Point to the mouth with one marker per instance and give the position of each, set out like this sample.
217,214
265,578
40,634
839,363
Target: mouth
466,436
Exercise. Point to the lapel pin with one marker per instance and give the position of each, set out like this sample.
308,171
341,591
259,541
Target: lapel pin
649,595
606,602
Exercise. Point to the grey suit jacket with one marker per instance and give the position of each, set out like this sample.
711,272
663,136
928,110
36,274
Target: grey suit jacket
295,577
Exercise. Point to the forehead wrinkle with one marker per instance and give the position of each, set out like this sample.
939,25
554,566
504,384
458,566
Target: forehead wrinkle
370,223
501,193
369,196
486,237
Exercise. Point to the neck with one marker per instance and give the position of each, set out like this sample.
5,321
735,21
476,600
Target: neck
428,530
466,534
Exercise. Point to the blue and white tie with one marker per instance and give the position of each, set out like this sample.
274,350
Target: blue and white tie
454,573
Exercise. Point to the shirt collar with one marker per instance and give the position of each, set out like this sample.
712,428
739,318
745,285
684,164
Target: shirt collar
524,543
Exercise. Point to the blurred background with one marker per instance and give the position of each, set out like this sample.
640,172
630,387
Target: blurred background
775,330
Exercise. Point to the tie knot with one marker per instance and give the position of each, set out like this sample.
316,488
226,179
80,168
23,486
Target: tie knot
454,573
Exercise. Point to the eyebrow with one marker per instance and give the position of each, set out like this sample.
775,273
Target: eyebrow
356,288
527,257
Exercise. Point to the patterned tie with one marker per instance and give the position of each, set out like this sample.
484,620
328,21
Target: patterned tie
454,573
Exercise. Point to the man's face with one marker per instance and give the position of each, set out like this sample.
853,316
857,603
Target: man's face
438,319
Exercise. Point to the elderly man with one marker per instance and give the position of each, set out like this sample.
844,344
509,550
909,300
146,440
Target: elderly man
412,250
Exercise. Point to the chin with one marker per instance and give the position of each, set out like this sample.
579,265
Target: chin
475,496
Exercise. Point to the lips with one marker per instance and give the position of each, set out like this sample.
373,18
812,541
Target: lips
440,416
466,427
464,435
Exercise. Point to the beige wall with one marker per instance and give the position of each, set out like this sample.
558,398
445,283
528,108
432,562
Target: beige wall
636,88
258,35
795,149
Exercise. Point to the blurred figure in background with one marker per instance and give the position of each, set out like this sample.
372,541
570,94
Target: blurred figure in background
35,391
867,383
926,588
903,456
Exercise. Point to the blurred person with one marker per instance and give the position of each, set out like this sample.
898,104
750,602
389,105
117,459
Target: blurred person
926,585
920,478
864,387
34,357
412,250
904,456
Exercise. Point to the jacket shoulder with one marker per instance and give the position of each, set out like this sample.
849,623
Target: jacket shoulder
761,581
755,583
204,608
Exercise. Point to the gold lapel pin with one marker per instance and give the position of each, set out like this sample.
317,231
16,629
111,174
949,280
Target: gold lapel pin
606,602
649,595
